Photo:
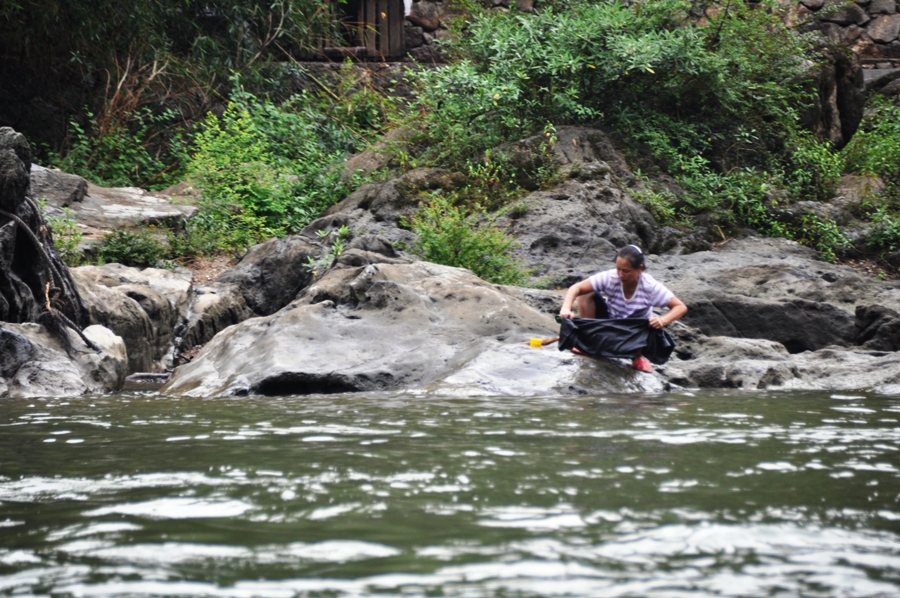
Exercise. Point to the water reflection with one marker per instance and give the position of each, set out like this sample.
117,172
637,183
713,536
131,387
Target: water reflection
719,495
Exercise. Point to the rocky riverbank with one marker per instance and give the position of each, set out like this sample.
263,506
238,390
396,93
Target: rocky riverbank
764,313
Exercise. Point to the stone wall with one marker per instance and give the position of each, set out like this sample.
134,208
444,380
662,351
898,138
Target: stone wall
426,22
871,28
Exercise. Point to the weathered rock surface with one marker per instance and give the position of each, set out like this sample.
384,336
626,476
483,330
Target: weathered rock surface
772,289
564,233
214,307
59,189
144,307
840,95
271,274
33,363
376,323
393,325
751,364
103,209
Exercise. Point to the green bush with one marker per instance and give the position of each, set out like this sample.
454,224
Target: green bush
466,238
131,248
875,148
265,170
66,235
127,151
885,235
715,102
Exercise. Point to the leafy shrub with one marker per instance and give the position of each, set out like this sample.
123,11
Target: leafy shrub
466,238
66,235
822,235
335,243
885,235
875,148
265,171
715,102
131,248
119,153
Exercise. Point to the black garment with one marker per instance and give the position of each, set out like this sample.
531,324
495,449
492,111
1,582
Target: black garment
621,338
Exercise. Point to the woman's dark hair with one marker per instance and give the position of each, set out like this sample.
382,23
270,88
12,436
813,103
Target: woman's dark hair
633,254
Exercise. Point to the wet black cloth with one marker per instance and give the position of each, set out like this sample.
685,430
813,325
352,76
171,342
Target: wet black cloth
621,338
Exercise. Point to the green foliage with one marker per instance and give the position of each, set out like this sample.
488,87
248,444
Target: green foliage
122,152
466,238
885,235
265,170
822,235
139,248
630,66
875,148
335,242
66,235
715,102
874,151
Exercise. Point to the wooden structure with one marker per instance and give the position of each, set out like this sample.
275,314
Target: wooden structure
370,29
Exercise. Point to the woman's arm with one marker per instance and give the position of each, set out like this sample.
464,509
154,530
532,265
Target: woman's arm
576,290
676,310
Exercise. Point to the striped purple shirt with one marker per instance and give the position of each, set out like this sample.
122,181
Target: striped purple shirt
649,294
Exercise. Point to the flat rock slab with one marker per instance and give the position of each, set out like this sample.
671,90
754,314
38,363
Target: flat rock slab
104,209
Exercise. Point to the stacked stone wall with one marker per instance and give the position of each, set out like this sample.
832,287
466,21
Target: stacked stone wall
871,28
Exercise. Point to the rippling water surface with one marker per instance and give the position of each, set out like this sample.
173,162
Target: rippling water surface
675,495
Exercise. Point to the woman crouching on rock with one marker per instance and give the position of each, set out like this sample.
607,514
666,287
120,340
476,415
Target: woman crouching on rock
630,293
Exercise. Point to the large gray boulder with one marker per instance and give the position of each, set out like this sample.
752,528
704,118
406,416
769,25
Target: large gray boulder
271,274
59,189
214,307
397,325
33,363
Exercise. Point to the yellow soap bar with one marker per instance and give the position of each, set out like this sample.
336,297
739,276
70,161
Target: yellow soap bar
536,342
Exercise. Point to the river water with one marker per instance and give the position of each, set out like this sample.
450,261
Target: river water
396,495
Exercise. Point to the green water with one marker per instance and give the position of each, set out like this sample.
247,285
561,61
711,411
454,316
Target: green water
393,495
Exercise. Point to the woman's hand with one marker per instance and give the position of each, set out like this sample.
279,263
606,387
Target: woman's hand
657,322
566,313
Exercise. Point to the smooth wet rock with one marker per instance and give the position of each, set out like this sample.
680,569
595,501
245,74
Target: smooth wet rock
390,326
46,370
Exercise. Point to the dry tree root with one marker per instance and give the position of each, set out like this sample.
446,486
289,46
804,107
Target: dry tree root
52,316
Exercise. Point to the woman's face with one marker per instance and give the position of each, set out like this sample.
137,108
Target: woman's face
628,274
